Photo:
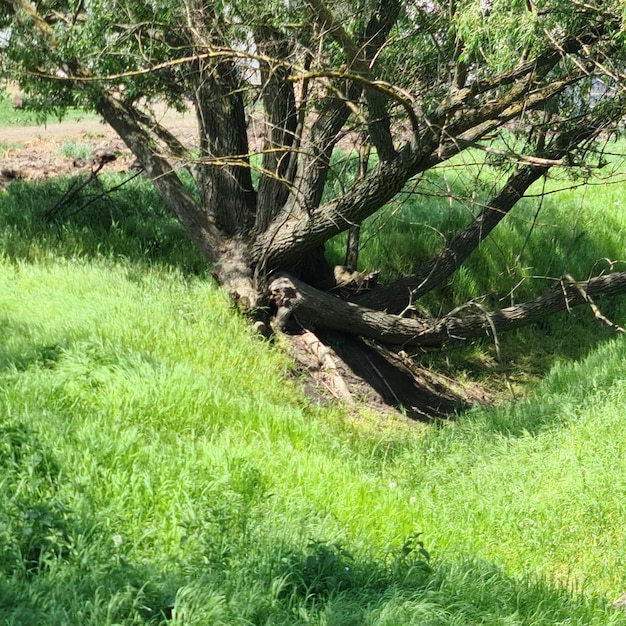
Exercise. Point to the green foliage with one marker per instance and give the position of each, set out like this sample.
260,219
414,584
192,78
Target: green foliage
35,525
496,31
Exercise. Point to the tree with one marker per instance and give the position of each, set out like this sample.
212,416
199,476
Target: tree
417,80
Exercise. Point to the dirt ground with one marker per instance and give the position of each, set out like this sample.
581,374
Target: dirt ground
36,152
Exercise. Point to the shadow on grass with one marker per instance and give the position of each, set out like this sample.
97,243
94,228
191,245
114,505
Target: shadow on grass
235,565
289,587
130,223
233,568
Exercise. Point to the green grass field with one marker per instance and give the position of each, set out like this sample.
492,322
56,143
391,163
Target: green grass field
25,117
160,464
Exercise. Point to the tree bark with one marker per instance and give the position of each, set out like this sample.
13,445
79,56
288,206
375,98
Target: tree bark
223,169
314,309
222,172
281,121
197,225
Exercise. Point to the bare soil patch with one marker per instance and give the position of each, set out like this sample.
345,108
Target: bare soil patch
35,153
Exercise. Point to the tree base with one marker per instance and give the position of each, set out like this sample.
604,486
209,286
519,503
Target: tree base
363,374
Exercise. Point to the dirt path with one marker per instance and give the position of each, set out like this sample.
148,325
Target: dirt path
87,127
58,130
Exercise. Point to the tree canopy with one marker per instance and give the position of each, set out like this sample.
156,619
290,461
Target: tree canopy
278,87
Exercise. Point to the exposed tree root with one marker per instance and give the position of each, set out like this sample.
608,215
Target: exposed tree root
369,375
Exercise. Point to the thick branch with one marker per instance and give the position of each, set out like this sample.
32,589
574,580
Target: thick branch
301,227
281,122
224,168
542,64
394,297
128,125
291,234
314,158
312,309
223,171
383,18
196,224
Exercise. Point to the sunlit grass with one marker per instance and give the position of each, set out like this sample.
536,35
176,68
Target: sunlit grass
159,463
76,149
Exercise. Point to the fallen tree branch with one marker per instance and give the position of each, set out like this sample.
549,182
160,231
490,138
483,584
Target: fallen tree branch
313,309
76,186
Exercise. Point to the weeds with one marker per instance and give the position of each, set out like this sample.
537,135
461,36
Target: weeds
76,149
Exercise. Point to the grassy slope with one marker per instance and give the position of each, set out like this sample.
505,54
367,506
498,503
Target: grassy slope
156,462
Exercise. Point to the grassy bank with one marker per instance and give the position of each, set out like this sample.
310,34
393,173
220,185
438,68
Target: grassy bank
159,464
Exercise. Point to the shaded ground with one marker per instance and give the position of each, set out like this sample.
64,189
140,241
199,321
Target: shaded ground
337,367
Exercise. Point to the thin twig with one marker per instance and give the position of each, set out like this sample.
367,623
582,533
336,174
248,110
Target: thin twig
592,305
107,192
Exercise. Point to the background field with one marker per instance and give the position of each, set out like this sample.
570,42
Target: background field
160,464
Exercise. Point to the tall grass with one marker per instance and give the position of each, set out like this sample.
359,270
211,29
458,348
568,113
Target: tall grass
156,464
159,464
131,224
575,229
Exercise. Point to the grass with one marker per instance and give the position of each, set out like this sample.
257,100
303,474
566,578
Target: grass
159,464
156,462
25,117
76,149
